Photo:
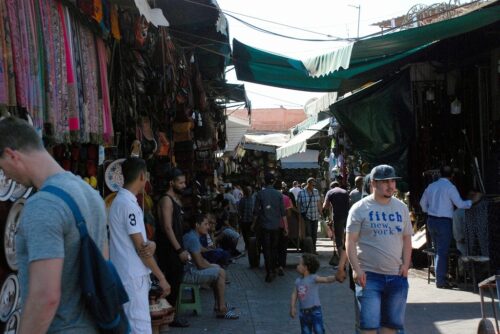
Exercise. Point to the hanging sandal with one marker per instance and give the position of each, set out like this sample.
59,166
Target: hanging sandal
230,315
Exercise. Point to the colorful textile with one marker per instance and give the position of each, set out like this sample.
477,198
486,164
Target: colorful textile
56,68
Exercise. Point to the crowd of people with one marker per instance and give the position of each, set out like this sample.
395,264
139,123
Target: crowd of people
371,229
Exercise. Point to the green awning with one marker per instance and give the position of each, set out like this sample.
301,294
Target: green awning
379,121
370,58
376,47
279,71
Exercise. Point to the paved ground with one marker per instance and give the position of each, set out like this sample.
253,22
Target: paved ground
264,306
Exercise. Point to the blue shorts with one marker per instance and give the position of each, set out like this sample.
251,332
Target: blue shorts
311,320
382,302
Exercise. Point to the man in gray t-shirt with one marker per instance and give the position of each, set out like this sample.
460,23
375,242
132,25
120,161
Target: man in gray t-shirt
47,239
379,249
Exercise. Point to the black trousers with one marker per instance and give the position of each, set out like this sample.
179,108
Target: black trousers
270,243
173,269
339,229
282,246
246,232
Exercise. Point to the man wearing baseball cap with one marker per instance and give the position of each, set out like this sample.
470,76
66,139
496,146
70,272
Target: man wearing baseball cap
379,250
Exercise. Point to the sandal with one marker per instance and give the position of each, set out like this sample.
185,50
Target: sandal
230,315
228,307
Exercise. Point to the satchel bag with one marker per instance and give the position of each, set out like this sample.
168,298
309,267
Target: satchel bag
102,288
304,213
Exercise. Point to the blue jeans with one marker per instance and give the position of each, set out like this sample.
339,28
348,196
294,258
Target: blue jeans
311,320
382,301
441,231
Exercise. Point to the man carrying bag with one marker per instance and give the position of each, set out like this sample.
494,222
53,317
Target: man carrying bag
309,203
49,245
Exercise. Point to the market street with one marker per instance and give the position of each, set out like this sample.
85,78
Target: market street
264,307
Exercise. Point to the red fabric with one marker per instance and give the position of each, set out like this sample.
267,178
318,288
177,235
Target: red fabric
287,202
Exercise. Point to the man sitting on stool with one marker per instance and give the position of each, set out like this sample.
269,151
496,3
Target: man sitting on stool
200,271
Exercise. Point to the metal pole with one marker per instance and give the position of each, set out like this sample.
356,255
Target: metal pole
358,7
359,16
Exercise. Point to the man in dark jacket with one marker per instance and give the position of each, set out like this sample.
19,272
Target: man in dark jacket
268,212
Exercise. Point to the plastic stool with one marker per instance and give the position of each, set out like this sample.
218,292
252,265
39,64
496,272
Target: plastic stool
189,298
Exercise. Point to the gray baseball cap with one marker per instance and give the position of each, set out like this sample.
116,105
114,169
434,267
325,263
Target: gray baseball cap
383,172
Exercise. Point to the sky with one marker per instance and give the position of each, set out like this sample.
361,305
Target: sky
332,17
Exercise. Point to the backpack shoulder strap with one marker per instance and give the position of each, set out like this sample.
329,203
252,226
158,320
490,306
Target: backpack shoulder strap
80,221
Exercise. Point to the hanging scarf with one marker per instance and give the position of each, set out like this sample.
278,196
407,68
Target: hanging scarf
16,35
4,52
103,70
61,126
77,53
71,111
48,50
39,75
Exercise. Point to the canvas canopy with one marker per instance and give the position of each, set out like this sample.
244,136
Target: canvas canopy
369,58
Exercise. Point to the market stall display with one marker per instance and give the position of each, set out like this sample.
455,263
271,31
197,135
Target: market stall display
9,237
6,187
12,325
9,297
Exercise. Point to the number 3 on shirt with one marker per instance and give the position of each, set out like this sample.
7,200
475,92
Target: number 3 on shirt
132,219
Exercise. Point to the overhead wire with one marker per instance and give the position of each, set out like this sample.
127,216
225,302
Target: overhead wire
225,11
200,47
273,98
337,39
198,36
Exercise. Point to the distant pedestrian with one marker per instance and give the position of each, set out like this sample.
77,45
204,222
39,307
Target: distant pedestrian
237,192
437,201
233,207
338,200
379,250
309,204
245,208
295,190
306,291
269,211
283,235
357,193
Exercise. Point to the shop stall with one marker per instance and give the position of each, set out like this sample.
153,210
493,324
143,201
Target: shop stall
104,80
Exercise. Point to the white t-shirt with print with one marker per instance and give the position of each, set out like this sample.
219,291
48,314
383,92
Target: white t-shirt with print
381,229
126,218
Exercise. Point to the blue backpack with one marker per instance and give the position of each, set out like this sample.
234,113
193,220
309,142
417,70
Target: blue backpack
102,288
